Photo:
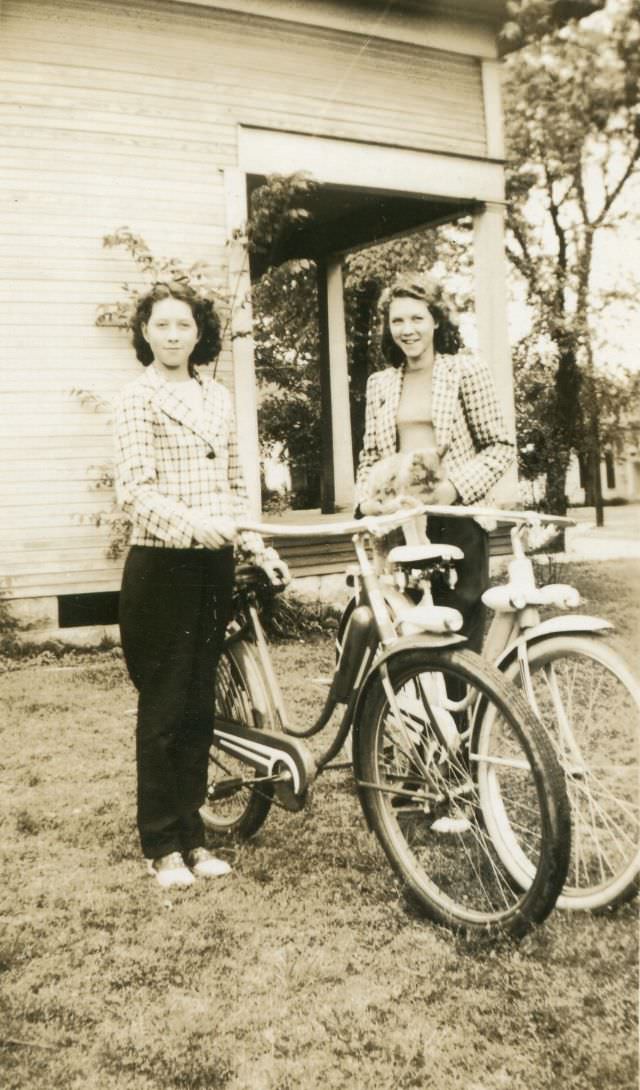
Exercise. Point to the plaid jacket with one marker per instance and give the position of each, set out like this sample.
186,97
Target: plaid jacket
470,433
169,464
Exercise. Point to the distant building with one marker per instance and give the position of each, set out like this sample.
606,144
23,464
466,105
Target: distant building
619,475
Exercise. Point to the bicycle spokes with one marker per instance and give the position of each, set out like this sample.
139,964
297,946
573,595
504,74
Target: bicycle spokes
455,786
589,705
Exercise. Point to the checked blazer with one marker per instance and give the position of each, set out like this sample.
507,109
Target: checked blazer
471,436
172,464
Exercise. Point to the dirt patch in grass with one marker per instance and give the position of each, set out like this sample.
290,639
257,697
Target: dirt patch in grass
305,968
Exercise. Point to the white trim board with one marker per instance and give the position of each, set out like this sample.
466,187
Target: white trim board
367,166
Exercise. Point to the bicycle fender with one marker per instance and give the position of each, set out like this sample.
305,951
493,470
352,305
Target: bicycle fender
243,657
428,642
567,625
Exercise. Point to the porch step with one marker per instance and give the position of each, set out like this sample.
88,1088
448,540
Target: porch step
331,555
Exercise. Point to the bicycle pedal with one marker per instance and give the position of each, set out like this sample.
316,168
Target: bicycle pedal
287,797
451,825
225,789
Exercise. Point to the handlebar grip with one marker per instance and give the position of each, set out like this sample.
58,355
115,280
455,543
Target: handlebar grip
561,595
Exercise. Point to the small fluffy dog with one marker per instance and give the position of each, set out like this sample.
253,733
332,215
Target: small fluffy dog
402,480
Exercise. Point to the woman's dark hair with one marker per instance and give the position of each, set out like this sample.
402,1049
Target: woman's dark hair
204,313
447,339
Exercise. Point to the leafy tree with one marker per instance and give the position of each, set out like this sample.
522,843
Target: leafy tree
286,339
284,303
573,131
534,368
200,275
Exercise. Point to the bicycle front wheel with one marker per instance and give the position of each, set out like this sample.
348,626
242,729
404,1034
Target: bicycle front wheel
235,806
588,702
449,759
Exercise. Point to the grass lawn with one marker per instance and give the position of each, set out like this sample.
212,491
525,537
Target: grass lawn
304,969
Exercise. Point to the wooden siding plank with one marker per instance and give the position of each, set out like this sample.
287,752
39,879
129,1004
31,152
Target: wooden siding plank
84,539
38,586
37,520
27,77
63,568
167,103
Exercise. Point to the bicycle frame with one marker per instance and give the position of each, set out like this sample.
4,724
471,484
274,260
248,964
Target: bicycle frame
370,644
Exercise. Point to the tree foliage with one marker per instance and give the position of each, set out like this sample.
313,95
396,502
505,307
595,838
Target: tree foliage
200,275
285,331
286,340
573,134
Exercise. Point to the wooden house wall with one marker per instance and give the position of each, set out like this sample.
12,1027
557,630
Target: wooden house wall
126,113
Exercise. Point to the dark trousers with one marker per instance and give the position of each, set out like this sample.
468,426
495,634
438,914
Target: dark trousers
473,573
174,608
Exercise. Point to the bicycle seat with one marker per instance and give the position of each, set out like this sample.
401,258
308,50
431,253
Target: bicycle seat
418,556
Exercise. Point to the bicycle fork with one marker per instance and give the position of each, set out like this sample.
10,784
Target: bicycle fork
571,758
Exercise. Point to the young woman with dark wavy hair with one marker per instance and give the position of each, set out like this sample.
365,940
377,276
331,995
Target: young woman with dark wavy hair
436,397
178,477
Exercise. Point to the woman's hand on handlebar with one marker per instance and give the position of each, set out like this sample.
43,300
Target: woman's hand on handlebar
274,568
214,531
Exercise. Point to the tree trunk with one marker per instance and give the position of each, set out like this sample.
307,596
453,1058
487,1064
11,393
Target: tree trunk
597,492
563,432
556,492
597,479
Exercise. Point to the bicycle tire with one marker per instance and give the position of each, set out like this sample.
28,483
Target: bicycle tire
437,840
240,695
582,683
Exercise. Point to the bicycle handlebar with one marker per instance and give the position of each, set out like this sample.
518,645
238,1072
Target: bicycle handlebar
378,525
370,524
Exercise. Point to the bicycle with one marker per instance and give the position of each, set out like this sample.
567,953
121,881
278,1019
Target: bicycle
448,795
582,693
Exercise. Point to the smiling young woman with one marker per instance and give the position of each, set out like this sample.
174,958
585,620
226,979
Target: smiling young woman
435,397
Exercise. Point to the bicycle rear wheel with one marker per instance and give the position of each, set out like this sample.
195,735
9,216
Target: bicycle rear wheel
234,806
588,702
439,780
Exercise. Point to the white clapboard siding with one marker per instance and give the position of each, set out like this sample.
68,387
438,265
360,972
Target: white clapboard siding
118,113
